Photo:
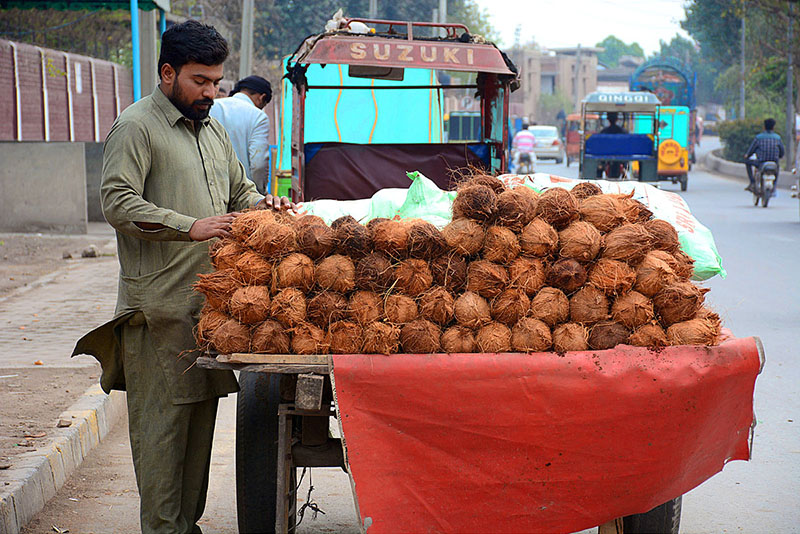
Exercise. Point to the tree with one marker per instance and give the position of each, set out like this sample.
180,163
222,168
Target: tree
615,49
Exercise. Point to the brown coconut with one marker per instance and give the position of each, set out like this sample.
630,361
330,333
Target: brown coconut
345,337
450,272
510,306
218,287
588,305
373,223
531,335
335,273
342,221
632,309
437,305
308,339
648,335
381,338
471,310
366,307
458,340
352,239
224,253
425,241
491,182
557,207
678,302
250,304
604,212
527,274
580,240
515,208
538,238
584,190
231,336
611,276
210,319
272,239
634,211
566,274
486,278
494,337
391,237
246,224
662,235
309,220
550,305
271,337
464,236
413,277
327,307
476,202
295,270
314,240
629,243
289,306
374,272
420,337
607,335
704,331
653,274
569,337
683,264
253,269
400,309
500,245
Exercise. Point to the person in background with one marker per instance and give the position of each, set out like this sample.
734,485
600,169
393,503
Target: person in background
612,127
242,116
522,146
767,146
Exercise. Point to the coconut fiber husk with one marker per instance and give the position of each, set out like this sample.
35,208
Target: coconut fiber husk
336,273
580,241
570,337
527,274
471,310
566,274
464,236
271,337
604,212
500,245
425,241
476,202
231,336
352,239
678,302
607,335
494,337
345,337
224,253
343,220
634,211
420,337
374,272
210,320
450,272
632,309
486,278
391,237
413,277
314,240
327,307
245,224
437,305
381,338
510,306
611,276
629,243
585,190
218,287
400,309
366,307
272,239
550,305
588,305
250,304
538,238
458,340
649,335
663,235
653,275
295,270
479,178
531,335
308,220
704,331
684,264
372,223
515,208
289,306
253,269
557,207
308,339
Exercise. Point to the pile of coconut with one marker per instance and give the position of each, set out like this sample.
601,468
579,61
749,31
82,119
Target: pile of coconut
515,271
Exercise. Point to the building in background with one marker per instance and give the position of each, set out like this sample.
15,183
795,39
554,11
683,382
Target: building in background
617,79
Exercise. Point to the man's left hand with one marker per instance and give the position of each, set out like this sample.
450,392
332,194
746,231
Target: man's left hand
276,203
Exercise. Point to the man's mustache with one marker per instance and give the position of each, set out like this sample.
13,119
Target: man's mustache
203,102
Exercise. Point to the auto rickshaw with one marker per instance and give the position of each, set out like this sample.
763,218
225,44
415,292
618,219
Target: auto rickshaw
573,135
674,159
611,155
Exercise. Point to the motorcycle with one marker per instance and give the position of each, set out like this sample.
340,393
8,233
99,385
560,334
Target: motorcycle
764,187
524,163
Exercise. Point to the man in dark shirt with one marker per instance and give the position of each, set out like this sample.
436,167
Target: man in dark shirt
613,128
767,146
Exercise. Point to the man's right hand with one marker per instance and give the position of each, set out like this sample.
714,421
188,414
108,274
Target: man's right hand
216,226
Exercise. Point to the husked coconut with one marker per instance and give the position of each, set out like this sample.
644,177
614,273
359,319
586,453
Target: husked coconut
413,277
531,335
449,271
218,287
381,338
420,337
557,207
345,337
437,305
230,337
585,190
538,238
649,335
336,273
476,202
327,307
295,270
494,337
270,337
400,309
663,235
604,212
289,306
632,309
486,278
566,274
253,269
366,307
500,245
580,241
629,243
425,241
458,340
464,236
570,337
471,310
391,237
374,272
308,339
516,208
588,305
611,276
653,275
510,306
678,302
607,335
250,304
550,305
528,274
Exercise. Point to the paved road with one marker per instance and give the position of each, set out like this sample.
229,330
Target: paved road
760,296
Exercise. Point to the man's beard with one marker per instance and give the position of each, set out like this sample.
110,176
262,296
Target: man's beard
177,98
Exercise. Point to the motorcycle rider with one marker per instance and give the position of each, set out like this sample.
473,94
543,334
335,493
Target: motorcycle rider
523,143
767,146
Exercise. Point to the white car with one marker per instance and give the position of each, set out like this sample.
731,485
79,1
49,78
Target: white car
548,143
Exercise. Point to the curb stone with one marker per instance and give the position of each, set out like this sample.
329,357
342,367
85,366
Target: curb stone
737,171
37,476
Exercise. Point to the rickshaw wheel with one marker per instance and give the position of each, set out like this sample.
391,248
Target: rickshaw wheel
684,182
663,519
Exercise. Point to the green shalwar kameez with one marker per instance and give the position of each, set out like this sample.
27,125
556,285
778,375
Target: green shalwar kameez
159,168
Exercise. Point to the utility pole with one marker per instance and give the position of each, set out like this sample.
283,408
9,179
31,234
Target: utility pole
373,9
577,77
443,16
790,135
246,50
741,71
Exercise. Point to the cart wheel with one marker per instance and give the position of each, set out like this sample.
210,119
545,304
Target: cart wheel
664,519
684,182
765,198
566,161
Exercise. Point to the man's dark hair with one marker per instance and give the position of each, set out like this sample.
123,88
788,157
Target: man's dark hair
192,42
612,117
769,124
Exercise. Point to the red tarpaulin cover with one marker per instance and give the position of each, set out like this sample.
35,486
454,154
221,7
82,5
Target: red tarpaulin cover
539,442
